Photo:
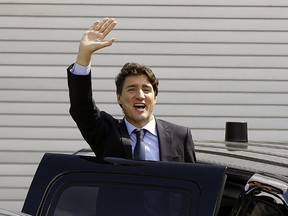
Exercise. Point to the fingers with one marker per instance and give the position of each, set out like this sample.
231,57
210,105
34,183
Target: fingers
104,26
108,26
98,24
108,43
93,27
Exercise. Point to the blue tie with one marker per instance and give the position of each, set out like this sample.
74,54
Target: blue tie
139,151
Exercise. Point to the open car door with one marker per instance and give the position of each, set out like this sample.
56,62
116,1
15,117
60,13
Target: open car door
82,185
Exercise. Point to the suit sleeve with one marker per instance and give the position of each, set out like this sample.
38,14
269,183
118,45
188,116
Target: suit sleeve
189,148
83,109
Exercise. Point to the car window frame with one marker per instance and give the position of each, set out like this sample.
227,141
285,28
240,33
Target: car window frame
85,179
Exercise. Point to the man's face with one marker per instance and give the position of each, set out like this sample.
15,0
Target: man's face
138,100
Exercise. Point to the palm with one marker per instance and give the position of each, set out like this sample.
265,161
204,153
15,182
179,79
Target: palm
93,40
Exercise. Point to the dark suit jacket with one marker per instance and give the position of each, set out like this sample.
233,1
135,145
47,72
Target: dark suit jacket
108,137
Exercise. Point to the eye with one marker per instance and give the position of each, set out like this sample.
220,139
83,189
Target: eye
131,89
147,90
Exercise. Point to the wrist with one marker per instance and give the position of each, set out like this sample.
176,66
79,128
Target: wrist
83,59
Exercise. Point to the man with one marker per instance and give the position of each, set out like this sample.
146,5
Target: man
137,89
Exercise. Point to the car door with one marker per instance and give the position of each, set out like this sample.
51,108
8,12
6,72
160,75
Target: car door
123,187
263,195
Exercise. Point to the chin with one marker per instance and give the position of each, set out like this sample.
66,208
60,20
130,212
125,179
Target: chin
141,118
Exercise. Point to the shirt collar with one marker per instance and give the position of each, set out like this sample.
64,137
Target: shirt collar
151,127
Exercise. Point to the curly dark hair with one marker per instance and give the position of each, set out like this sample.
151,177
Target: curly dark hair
134,69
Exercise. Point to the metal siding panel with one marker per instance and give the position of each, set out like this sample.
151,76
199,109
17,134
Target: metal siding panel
217,61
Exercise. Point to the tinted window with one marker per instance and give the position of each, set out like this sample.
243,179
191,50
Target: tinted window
121,199
260,208
77,200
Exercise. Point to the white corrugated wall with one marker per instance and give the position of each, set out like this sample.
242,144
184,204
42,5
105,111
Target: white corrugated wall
217,61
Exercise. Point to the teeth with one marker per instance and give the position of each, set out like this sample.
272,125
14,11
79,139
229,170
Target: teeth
139,105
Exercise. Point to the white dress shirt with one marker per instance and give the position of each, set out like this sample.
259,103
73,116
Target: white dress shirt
150,139
80,70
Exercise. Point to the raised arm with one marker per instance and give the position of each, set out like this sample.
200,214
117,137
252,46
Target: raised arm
94,39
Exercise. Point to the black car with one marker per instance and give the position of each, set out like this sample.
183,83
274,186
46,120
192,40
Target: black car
257,176
230,178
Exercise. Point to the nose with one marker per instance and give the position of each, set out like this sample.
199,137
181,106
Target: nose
140,94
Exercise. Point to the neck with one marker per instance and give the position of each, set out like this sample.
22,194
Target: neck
139,124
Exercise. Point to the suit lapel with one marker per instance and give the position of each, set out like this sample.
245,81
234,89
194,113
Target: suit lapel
165,140
125,139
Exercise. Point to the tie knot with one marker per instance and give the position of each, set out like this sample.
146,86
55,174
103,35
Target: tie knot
139,133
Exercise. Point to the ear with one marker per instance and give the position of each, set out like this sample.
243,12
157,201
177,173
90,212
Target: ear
155,101
119,100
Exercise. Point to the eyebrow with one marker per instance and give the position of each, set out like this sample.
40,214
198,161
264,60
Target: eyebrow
131,86
144,85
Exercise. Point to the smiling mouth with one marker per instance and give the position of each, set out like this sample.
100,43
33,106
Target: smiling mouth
140,106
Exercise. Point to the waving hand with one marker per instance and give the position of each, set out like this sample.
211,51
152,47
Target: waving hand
94,39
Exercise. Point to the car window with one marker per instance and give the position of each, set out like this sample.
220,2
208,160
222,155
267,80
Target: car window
258,207
121,199
76,200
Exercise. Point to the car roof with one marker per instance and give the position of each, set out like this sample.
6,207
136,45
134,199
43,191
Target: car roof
11,213
254,156
258,157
